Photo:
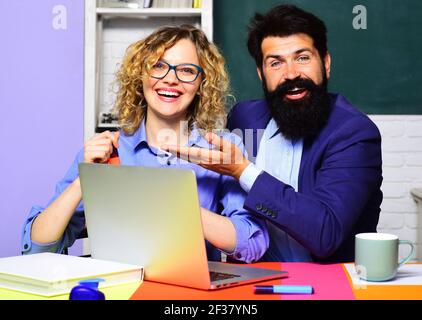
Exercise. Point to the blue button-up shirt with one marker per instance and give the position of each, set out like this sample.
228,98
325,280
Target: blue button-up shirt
281,158
217,193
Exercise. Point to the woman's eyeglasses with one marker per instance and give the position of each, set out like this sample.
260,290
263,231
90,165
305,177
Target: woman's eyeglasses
186,72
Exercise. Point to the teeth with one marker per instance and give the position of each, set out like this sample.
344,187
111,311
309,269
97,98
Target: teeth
295,90
169,93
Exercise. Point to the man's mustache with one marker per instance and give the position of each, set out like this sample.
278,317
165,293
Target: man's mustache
289,85
299,118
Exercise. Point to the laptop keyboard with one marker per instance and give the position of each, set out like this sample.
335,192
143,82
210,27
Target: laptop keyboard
215,276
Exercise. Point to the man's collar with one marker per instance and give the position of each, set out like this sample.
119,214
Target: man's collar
275,133
274,127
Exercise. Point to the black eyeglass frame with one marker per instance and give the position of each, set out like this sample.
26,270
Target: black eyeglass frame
172,67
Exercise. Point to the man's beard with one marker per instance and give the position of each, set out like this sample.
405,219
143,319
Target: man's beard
301,118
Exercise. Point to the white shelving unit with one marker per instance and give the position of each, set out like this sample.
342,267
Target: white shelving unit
123,26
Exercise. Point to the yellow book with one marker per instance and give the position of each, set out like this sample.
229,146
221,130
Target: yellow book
51,274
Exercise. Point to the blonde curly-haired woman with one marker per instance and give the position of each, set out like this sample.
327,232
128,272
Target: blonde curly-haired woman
173,88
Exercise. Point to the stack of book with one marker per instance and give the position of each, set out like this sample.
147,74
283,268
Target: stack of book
50,274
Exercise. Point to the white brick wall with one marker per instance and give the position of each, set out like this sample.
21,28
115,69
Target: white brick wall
402,171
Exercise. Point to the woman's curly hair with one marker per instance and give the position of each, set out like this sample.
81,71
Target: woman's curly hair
207,109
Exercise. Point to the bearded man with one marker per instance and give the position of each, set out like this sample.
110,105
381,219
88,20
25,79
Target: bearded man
318,169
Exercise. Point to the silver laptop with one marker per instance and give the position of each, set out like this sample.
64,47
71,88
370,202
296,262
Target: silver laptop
151,217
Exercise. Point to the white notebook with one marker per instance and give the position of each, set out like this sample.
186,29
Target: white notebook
50,274
408,274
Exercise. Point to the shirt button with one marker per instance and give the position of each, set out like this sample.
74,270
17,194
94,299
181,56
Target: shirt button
168,162
25,246
238,255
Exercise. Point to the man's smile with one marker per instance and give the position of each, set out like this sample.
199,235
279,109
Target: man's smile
296,93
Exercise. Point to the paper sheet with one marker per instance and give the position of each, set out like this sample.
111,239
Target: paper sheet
408,274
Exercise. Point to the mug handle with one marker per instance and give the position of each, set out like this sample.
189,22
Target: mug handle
412,251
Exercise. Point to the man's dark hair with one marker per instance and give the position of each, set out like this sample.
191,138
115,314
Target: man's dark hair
283,21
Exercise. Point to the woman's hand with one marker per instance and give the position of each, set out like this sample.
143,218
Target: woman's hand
99,148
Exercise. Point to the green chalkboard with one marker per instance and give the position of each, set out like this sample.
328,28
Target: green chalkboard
379,69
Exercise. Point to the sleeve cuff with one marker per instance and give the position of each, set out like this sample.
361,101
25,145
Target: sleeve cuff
251,241
242,236
30,247
34,247
248,177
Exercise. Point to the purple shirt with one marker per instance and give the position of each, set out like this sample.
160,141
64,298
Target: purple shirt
217,193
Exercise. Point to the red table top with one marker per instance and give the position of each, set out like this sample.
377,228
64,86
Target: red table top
330,282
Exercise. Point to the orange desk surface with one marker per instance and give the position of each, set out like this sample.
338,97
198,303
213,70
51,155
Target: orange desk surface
330,282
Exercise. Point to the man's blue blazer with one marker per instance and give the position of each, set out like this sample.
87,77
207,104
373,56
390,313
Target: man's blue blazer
339,182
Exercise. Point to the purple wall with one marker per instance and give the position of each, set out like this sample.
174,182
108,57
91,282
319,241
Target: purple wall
41,104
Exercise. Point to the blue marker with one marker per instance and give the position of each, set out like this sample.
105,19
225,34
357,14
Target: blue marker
284,289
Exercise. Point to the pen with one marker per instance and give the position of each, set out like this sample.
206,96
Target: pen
284,289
